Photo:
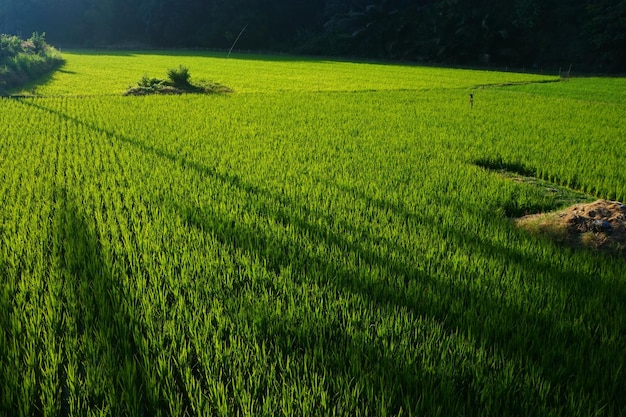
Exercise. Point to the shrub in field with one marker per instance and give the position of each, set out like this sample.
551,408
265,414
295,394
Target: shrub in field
151,84
177,83
179,77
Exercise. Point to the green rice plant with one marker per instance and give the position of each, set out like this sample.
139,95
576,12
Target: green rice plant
322,242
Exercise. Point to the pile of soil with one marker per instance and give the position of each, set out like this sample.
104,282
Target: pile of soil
599,225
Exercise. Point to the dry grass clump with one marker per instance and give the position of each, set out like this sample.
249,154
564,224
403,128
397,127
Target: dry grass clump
600,225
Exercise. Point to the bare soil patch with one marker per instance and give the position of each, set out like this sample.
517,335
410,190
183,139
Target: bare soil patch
600,225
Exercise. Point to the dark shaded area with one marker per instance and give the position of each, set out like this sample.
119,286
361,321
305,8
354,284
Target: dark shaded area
559,192
102,311
497,164
534,34
513,207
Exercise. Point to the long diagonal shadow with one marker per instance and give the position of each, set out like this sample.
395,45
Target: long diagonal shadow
227,178
108,327
101,313
405,285
483,315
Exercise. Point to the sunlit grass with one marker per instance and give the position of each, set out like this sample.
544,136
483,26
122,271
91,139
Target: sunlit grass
112,72
321,242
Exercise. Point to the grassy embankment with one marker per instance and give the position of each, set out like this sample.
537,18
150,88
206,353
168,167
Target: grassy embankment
22,61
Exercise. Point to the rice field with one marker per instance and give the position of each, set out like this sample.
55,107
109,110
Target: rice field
324,241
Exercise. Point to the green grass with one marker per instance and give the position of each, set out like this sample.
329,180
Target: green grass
592,89
112,72
320,242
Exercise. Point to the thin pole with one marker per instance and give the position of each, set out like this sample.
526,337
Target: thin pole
236,39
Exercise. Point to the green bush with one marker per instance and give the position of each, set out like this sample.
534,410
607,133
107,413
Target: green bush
10,46
24,60
179,77
39,42
177,83
148,82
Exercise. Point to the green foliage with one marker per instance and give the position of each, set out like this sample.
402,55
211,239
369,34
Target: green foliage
262,74
321,243
39,42
521,33
179,77
177,83
23,61
150,82
605,33
10,46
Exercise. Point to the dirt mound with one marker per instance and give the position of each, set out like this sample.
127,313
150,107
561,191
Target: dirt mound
599,225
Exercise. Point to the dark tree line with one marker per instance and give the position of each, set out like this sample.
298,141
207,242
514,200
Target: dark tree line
531,33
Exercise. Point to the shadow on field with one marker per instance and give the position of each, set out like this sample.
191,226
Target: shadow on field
233,180
236,55
570,344
44,79
9,373
550,343
102,52
104,317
